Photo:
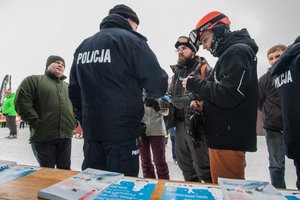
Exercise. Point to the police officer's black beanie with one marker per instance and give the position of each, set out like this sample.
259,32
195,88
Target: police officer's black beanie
125,12
54,58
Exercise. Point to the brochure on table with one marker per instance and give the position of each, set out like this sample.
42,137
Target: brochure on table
291,194
237,189
129,188
11,171
180,191
5,164
87,184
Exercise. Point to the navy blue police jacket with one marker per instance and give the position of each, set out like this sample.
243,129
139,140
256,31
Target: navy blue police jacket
109,72
286,72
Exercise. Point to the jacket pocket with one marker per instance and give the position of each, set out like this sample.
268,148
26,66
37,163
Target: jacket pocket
129,150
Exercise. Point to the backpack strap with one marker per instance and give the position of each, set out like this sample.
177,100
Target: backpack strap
203,70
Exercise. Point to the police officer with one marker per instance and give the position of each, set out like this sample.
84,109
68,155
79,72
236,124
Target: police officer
109,71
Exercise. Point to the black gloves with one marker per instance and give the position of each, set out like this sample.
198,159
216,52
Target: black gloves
152,103
181,101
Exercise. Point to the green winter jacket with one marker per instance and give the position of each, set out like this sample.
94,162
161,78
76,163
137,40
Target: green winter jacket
43,102
8,107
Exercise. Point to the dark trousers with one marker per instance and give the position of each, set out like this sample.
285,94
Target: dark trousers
157,145
53,153
297,165
172,133
11,123
122,157
192,160
274,140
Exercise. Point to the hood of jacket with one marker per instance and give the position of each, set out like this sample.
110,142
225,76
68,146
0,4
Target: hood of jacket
235,37
117,21
288,55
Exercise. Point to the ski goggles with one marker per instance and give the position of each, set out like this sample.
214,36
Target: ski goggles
196,33
195,38
183,40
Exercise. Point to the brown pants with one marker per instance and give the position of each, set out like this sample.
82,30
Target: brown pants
227,164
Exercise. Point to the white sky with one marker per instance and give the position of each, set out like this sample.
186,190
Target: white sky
32,30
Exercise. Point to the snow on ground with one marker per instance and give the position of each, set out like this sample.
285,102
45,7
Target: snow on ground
19,150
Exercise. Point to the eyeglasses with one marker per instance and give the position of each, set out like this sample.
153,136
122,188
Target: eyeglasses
179,49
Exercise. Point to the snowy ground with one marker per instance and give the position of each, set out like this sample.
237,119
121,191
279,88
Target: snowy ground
19,150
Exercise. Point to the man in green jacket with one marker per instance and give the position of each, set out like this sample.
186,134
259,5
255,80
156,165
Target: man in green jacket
8,109
43,102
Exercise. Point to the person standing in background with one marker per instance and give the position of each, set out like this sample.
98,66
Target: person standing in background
153,142
8,110
269,105
109,72
43,102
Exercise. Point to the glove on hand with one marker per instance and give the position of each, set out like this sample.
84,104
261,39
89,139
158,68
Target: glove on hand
181,102
152,103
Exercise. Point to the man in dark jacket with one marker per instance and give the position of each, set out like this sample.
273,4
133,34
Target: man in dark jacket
229,93
43,102
287,77
108,75
191,153
269,105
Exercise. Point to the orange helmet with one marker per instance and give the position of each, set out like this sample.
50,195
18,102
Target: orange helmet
208,22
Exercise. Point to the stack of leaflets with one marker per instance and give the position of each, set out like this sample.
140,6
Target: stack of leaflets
236,189
87,184
6,164
9,170
291,194
177,190
16,171
129,188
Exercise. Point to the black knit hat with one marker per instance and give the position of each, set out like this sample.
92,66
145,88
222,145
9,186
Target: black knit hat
52,59
125,12
183,40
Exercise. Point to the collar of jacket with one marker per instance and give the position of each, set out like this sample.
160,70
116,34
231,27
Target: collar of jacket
117,21
187,66
235,37
54,77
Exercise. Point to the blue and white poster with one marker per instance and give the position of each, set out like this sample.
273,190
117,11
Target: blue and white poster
129,188
184,191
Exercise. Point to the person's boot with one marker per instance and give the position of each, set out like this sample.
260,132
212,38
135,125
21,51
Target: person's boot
9,137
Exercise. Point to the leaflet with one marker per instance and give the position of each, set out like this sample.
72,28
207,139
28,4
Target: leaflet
87,184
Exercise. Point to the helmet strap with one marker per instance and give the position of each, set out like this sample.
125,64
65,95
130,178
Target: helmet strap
214,46
219,33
